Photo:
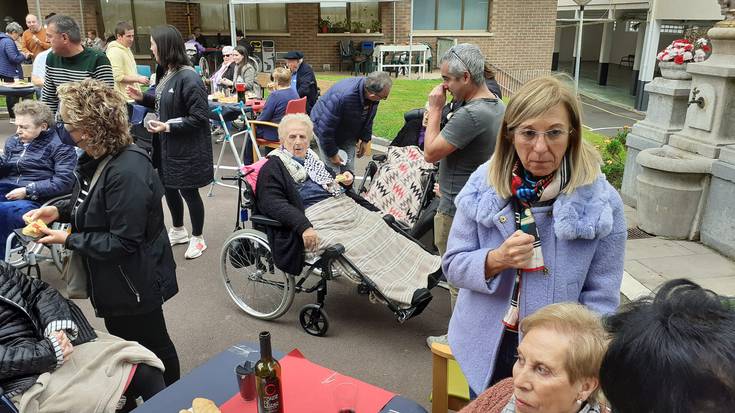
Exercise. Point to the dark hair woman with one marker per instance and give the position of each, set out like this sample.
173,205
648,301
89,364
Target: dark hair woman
183,147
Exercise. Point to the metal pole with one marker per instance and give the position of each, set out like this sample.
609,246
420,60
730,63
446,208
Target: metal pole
410,40
233,24
394,22
579,48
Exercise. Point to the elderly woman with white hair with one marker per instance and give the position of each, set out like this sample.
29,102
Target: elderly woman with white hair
317,210
10,60
535,225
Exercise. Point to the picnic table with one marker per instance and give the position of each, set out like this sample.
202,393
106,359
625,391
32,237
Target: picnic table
17,90
301,380
414,50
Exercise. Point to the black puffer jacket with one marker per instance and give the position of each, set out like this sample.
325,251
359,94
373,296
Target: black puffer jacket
119,230
184,155
29,309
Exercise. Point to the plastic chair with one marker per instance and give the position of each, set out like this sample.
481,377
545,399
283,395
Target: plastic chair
449,386
363,60
144,70
346,51
293,106
296,106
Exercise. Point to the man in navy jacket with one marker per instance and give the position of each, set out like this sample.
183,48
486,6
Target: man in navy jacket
303,80
343,118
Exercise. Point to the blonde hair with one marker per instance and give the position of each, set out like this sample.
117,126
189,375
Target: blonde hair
99,111
37,110
532,100
587,337
287,120
282,76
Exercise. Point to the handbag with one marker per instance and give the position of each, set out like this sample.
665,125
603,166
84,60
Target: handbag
75,273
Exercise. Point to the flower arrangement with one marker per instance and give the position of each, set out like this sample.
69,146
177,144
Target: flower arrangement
682,51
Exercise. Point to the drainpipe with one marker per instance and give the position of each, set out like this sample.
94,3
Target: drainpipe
38,10
394,22
81,21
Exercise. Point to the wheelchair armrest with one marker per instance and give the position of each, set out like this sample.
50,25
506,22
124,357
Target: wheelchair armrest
333,252
380,157
264,220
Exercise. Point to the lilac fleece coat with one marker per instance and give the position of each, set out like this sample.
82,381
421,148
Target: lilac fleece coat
583,242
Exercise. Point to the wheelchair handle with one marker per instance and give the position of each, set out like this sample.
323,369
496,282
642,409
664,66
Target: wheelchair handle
217,110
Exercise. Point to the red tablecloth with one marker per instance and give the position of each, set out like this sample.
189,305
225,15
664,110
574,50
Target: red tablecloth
309,388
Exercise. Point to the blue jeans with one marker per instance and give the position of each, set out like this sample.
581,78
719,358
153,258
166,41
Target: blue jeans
11,214
349,147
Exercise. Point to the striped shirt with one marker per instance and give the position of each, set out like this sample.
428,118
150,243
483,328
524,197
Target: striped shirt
89,64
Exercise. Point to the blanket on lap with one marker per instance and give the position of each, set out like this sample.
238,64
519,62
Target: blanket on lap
396,265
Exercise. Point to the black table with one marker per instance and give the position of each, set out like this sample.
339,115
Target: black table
216,381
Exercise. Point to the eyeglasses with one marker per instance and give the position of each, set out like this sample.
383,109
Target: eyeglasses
552,135
461,61
379,96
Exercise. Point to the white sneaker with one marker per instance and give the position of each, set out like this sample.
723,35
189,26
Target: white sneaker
437,339
178,236
196,247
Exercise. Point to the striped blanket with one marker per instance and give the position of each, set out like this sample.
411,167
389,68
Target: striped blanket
396,265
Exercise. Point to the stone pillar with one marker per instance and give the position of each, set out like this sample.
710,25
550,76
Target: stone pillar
605,49
637,61
557,48
648,62
665,115
717,229
710,123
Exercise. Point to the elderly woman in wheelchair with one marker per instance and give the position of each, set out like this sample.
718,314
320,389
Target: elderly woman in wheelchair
319,215
35,167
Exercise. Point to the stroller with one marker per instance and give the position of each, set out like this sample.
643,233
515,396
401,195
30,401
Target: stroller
263,291
401,183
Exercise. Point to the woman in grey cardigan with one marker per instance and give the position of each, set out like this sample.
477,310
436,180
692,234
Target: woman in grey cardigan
535,225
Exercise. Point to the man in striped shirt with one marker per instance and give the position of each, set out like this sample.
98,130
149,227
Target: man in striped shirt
69,61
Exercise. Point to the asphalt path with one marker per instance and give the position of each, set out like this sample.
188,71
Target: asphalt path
605,118
364,339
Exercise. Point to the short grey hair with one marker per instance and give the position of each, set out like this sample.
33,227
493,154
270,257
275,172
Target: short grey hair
375,82
465,57
38,111
283,125
13,27
65,24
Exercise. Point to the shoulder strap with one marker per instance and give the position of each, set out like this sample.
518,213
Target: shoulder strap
98,172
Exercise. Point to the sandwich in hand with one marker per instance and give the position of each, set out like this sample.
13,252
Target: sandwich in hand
33,229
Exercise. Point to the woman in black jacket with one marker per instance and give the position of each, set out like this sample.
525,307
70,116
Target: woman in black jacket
117,226
42,332
183,154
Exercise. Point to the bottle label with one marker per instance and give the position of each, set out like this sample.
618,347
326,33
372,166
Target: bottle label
271,400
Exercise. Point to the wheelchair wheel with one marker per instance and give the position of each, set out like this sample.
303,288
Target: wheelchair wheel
314,320
251,277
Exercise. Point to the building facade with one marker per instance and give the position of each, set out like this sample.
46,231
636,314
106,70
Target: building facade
515,35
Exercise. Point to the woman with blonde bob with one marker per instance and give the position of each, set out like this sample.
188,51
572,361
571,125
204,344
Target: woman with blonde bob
558,365
535,225
117,224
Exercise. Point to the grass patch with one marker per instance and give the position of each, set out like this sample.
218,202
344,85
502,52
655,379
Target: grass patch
404,96
2,101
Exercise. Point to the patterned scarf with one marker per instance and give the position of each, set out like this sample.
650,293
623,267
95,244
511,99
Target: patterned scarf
312,168
528,190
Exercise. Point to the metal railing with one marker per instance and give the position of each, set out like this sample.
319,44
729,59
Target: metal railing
512,79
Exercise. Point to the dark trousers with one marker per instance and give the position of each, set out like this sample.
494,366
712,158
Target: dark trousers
11,214
507,354
193,202
150,331
146,383
10,100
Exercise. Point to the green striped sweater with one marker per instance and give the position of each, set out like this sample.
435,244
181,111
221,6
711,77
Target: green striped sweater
90,63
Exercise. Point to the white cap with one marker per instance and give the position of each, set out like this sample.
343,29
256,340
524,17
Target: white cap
227,50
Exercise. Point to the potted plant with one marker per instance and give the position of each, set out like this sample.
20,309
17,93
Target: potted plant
325,25
376,26
339,27
674,58
357,27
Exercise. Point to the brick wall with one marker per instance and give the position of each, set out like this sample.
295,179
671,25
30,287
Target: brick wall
72,9
523,33
176,15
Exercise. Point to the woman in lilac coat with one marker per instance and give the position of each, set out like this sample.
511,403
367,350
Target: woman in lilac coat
535,225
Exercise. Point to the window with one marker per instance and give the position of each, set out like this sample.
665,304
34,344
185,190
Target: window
340,17
632,26
672,28
262,17
450,14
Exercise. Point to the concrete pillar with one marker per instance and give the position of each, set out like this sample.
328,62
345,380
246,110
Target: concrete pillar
648,62
557,47
576,37
637,60
605,49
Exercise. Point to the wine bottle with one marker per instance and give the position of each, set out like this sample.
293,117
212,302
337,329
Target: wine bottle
268,378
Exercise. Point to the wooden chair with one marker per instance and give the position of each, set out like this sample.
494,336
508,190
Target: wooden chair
449,387
293,106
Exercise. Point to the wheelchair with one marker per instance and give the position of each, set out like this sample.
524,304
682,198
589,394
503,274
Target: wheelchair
27,255
265,292
418,221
